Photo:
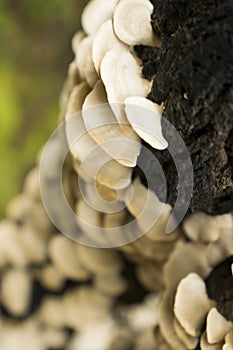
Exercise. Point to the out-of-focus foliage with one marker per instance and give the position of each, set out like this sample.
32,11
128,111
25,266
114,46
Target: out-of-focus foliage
35,52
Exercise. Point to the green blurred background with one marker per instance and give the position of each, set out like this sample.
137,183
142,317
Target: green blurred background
35,51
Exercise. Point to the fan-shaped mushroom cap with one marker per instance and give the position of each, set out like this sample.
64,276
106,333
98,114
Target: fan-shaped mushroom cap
94,160
96,13
191,304
123,145
206,346
132,22
104,41
11,248
217,327
84,61
145,118
77,38
99,261
122,78
189,341
84,306
62,253
51,278
200,226
51,312
110,285
16,289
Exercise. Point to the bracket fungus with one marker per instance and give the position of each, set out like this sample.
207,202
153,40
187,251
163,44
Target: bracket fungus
137,63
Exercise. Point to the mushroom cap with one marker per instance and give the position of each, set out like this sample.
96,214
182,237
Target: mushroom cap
217,327
191,304
104,41
123,145
96,13
122,78
83,59
132,22
16,290
145,118
200,226
63,255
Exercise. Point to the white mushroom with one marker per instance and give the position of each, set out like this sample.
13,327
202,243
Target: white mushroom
132,22
110,285
99,261
77,38
95,337
83,306
122,78
145,206
11,248
206,346
76,100
21,336
62,253
123,145
51,278
200,226
228,341
217,326
51,312
145,118
150,275
189,341
34,244
31,184
96,13
16,288
94,160
104,41
191,304
84,61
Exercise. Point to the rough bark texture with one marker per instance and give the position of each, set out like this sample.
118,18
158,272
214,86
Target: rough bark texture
220,288
193,76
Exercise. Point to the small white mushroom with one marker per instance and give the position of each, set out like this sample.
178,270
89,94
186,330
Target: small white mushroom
51,312
104,41
228,341
16,288
54,338
99,261
132,22
206,346
122,78
151,276
96,13
200,226
11,248
94,160
123,145
90,222
21,336
191,304
31,184
95,337
77,38
217,326
145,118
34,244
62,252
189,341
76,100
84,61
51,278
144,205
85,305
110,285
